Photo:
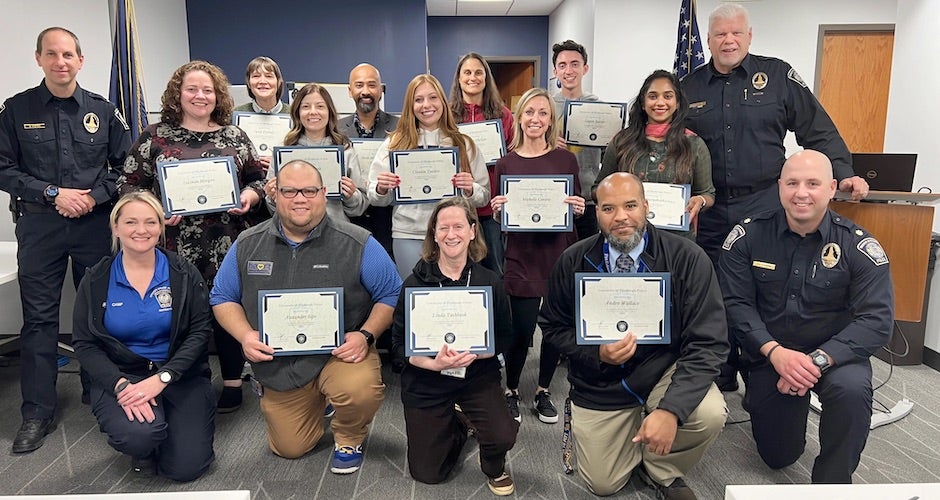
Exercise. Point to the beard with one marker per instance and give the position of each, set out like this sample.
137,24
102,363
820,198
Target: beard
366,107
626,245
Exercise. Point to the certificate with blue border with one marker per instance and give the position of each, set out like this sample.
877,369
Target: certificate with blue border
426,174
329,160
200,186
265,130
536,203
301,321
608,306
460,317
667,205
366,148
593,123
488,138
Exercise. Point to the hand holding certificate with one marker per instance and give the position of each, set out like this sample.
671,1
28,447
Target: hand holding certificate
296,322
460,318
667,205
536,203
204,185
608,306
426,174
265,130
593,123
488,138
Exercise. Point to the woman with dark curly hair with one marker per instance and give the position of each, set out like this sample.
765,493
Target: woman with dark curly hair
656,146
195,123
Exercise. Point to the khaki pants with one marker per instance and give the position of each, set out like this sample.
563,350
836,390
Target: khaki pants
295,418
606,454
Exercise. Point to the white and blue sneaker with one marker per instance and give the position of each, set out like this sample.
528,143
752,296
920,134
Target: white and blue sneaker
346,459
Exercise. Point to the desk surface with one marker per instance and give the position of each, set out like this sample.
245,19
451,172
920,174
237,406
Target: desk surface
897,491
7,261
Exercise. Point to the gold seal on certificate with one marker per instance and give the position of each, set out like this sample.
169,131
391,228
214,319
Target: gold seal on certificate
593,123
426,174
608,306
667,205
200,186
366,149
536,203
488,138
461,318
265,130
329,160
302,321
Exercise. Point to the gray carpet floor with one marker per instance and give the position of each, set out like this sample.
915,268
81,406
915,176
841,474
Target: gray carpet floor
77,459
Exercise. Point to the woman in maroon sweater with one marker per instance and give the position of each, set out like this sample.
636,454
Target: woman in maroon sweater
531,256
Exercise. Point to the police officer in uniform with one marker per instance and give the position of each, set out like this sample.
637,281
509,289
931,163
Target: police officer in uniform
60,146
742,106
809,296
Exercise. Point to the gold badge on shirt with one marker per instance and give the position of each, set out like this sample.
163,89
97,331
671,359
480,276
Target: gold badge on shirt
759,80
831,253
91,122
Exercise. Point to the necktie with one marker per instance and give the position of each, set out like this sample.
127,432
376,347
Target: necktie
624,264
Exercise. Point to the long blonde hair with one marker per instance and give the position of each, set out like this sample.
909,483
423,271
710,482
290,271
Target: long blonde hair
406,134
518,135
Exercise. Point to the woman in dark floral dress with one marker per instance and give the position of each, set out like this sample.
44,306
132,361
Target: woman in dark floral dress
195,123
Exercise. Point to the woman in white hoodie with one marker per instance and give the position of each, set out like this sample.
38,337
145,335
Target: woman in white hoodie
426,122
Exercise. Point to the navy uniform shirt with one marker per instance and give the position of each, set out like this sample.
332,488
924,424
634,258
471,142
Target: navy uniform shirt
744,116
78,142
830,289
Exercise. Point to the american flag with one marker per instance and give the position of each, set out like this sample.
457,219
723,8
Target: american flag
127,90
689,54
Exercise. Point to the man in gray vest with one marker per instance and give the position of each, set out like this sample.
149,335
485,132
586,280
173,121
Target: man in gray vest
300,248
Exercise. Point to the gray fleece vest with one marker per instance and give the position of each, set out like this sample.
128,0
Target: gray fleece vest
331,257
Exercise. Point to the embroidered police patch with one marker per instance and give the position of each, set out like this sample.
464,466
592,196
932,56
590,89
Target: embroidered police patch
793,75
737,232
872,249
164,297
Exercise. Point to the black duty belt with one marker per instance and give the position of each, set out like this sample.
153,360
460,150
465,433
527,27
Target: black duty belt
737,192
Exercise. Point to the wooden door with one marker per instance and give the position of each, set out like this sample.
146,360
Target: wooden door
513,79
855,76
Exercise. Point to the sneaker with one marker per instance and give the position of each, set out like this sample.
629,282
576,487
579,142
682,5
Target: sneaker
230,400
678,490
545,408
346,459
329,411
502,485
512,401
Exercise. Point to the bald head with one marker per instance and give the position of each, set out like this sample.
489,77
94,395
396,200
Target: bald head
622,210
301,167
811,160
806,186
365,87
364,69
618,182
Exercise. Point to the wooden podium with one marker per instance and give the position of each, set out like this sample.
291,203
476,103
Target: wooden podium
902,223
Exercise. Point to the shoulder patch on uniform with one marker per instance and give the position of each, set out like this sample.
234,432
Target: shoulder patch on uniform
120,117
872,249
793,75
737,232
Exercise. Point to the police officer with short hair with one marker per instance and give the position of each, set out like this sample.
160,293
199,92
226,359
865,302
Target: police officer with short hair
809,296
59,146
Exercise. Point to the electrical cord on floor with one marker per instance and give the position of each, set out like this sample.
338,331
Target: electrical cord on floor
891,354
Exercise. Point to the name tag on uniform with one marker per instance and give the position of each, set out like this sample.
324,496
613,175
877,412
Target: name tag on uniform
764,265
260,268
33,126
455,372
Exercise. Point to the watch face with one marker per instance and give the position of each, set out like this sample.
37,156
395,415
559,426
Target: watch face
165,377
819,360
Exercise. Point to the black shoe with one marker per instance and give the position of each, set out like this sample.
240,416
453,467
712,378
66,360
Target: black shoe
145,466
32,434
230,400
678,490
727,380
512,401
545,408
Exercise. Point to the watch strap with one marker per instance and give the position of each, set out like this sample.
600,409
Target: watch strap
370,337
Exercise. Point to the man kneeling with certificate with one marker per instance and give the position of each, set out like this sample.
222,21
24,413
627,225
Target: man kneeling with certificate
650,407
301,360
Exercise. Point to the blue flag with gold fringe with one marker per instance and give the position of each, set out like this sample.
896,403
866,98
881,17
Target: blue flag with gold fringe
127,91
689,54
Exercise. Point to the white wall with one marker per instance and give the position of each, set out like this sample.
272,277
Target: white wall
164,47
573,20
911,110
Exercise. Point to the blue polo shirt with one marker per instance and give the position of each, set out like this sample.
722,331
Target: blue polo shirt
141,324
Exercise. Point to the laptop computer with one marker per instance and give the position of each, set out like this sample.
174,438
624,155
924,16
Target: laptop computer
886,171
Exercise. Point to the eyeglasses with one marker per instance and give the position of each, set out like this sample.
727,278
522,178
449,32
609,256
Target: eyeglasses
308,192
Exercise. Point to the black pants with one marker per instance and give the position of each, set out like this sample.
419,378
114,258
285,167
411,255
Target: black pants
525,314
778,421
586,225
181,435
46,242
231,357
436,436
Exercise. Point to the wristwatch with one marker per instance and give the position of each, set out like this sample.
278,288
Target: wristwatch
165,376
370,339
820,360
50,193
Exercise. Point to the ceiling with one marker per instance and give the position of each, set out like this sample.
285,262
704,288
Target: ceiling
491,7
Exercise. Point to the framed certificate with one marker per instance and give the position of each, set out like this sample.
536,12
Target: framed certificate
426,174
536,203
329,160
301,321
608,306
488,137
366,149
593,123
667,205
265,130
460,317
200,186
